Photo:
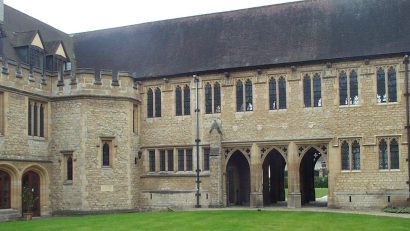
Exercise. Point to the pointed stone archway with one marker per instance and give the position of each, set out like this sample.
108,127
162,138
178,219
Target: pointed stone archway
5,190
238,180
31,182
273,178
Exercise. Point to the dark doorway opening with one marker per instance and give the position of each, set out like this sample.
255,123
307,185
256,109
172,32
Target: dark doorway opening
5,188
273,178
31,182
238,180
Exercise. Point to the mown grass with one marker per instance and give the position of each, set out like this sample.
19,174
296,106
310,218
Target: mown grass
215,220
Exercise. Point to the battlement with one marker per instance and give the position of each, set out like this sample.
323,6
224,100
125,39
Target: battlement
81,82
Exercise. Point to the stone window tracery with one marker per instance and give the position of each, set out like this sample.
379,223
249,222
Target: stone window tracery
389,95
348,93
389,154
36,118
350,154
150,103
312,90
277,93
157,102
244,96
212,104
178,101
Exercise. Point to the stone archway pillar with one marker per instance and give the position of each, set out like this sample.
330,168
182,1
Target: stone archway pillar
294,195
216,188
256,194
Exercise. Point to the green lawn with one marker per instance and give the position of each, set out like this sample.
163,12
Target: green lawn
215,220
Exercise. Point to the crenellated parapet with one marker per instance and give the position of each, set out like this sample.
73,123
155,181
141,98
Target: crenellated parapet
80,83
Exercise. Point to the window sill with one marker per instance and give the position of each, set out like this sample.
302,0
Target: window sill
351,171
277,110
349,106
389,170
174,174
68,183
38,138
387,103
106,167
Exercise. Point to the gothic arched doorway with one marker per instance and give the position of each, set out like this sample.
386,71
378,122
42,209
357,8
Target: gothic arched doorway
307,175
5,189
273,178
31,182
238,180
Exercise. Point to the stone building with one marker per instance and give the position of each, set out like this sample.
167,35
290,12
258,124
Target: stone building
106,121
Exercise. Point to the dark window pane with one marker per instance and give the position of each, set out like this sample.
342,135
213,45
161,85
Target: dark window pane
206,159
162,160
282,93
35,120
381,87
307,91
317,91
392,85
157,102
181,160
151,161
106,155
189,159
239,96
178,101
248,95
208,98
345,153
354,92
355,156
170,160
150,106
70,168
29,119
187,100
394,154
272,94
41,120
383,161
343,99
217,98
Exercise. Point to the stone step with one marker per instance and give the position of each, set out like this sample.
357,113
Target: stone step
9,214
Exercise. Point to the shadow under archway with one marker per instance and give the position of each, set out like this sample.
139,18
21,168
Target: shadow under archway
238,180
31,182
273,178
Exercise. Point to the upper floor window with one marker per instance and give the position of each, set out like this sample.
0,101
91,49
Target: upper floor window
216,98
185,161
388,153
69,164
151,159
312,92
182,104
153,99
348,93
244,98
178,101
277,94
36,118
2,113
389,95
206,158
162,163
350,155
106,154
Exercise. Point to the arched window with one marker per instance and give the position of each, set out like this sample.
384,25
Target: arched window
282,93
150,103
35,127
5,190
272,94
381,86
354,92
343,98
394,154
41,120
391,77
217,98
29,119
383,160
178,101
307,95
355,156
187,100
208,98
248,95
157,102
106,154
69,168
239,96
317,91
345,153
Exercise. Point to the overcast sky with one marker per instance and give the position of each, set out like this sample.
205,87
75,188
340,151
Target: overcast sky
84,15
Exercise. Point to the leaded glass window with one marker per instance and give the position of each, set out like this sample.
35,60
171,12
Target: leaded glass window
272,94
217,98
345,153
69,168
35,122
208,98
381,86
392,85
157,102
206,159
355,156
383,159
181,160
171,160
317,91
282,93
343,98
354,88
41,120
29,119
187,100
239,96
394,154
189,159
151,159
150,103
106,154
178,101
248,95
307,95
162,160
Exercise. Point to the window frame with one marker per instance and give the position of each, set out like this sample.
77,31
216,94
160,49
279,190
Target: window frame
351,162
384,74
388,153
